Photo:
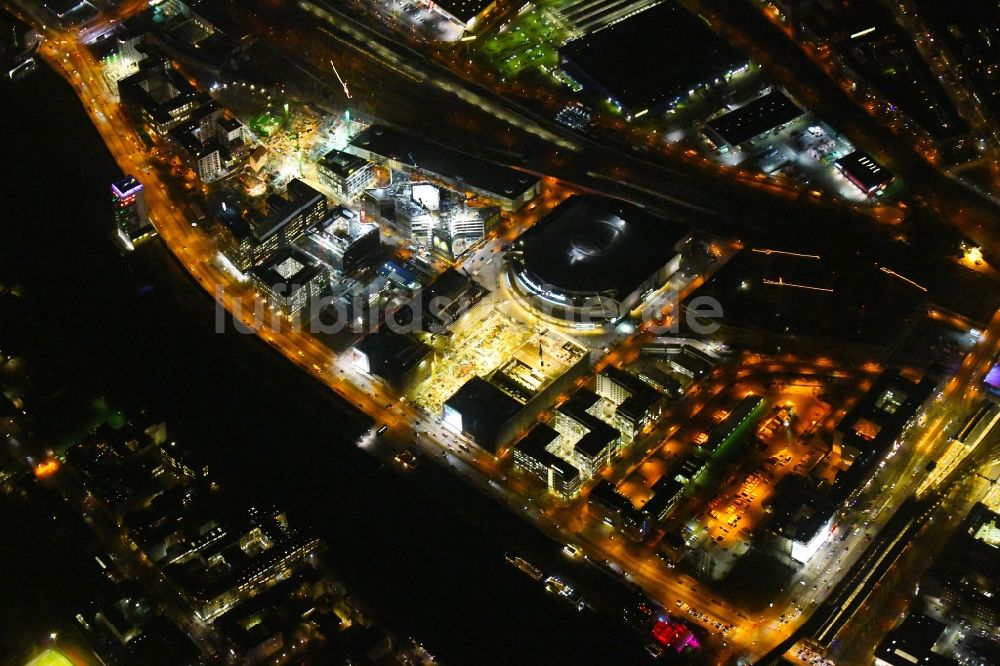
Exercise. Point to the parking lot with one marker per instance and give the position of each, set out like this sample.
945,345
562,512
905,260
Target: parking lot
423,20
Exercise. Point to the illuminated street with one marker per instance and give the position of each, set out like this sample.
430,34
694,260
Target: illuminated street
747,378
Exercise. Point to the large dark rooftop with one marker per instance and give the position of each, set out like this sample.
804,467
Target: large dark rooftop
590,245
485,410
464,10
653,56
342,164
764,113
860,167
444,161
842,299
799,512
910,643
390,354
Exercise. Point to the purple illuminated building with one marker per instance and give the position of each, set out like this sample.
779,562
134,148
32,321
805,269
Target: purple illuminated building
131,214
992,380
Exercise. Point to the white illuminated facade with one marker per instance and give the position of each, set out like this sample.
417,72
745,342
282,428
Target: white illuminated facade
453,418
802,552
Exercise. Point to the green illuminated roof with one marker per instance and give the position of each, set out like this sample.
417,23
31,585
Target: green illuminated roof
50,658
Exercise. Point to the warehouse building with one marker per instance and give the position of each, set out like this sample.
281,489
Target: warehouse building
764,114
864,173
652,60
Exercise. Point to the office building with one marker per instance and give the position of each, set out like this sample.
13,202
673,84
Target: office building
637,403
615,384
346,174
683,359
300,209
342,242
587,441
801,520
615,509
395,207
130,211
213,142
160,95
208,159
635,414
119,53
533,454
288,279
247,239
197,140
452,303
661,381
484,413
429,216
461,228
690,362
231,131
667,492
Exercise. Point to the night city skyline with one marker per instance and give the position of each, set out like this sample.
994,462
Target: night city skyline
487,332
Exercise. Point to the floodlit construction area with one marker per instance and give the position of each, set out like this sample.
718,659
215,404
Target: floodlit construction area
531,358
